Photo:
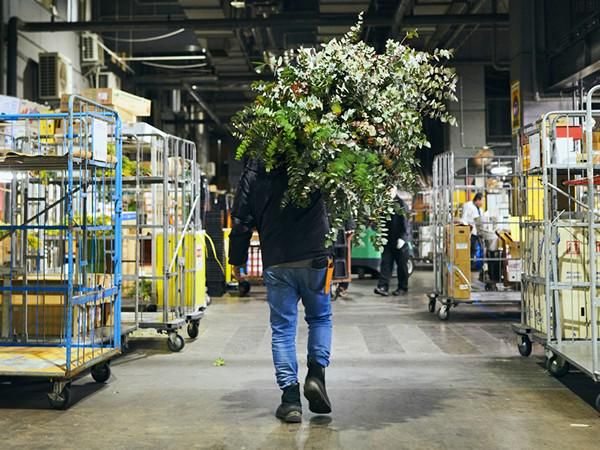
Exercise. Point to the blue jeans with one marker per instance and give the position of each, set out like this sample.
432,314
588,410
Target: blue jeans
285,286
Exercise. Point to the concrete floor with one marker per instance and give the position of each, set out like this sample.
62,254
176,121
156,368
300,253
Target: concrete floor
400,379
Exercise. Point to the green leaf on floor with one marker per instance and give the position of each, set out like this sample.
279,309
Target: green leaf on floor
219,362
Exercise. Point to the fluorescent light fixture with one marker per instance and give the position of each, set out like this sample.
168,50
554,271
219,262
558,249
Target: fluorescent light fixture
194,86
238,4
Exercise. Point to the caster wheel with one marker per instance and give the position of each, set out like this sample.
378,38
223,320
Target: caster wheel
125,344
361,274
598,402
175,342
525,346
193,329
410,266
101,373
431,306
60,400
558,367
444,312
244,288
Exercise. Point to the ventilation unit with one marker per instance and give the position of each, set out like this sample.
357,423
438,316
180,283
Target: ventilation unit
56,76
108,80
92,52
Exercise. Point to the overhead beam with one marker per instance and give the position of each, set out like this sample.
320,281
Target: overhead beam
205,107
403,8
297,21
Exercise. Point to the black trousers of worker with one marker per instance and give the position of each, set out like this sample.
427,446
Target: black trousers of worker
388,258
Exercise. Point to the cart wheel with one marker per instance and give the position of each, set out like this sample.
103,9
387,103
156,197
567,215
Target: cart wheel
410,266
598,402
193,329
125,343
444,312
101,373
431,306
525,346
175,342
558,367
60,399
361,273
244,288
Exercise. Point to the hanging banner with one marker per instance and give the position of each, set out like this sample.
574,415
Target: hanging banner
515,103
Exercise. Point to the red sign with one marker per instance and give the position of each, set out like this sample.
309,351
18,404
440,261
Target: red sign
573,247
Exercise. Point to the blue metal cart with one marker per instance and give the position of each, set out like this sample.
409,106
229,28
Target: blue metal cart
60,246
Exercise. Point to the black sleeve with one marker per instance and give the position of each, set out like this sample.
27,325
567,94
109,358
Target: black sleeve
243,221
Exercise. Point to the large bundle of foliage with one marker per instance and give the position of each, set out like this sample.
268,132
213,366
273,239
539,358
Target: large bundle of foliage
346,121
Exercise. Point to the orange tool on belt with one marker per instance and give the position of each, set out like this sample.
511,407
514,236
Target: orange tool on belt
329,275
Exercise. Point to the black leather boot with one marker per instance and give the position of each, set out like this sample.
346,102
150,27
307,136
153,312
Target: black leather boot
314,389
290,410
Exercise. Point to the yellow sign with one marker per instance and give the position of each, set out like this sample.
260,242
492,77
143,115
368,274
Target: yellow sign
515,105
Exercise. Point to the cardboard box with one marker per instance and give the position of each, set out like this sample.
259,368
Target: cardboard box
14,105
534,306
459,281
124,101
458,243
458,261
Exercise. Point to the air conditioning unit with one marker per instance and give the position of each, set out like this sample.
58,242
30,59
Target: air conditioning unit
56,76
92,52
108,80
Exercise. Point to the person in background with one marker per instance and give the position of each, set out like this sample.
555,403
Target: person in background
396,250
472,211
296,263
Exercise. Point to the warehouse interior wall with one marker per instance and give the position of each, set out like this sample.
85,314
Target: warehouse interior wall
469,136
31,44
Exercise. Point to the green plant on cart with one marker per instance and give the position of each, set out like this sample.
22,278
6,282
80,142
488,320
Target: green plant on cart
33,241
346,122
145,287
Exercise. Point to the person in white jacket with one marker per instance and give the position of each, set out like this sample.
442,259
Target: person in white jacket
472,212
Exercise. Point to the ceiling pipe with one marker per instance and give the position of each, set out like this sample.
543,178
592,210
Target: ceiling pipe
283,21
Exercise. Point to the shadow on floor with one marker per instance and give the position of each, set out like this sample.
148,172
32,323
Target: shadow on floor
317,433
579,384
30,393
353,409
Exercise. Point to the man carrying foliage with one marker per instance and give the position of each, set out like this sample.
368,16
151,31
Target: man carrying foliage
295,260
328,137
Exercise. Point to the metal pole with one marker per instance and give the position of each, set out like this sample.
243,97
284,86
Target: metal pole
593,252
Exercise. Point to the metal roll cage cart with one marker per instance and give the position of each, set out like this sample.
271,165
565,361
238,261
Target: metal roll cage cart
422,240
456,178
60,246
161,243
562,241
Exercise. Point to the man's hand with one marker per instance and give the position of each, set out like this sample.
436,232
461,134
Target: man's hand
237,273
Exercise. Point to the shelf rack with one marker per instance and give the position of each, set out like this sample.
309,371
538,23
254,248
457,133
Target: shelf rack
60,264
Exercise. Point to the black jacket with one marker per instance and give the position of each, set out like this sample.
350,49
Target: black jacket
286,235
399,225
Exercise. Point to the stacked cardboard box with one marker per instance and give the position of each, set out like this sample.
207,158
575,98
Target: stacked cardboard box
129,106
574,267
458,261
46,316
573,304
